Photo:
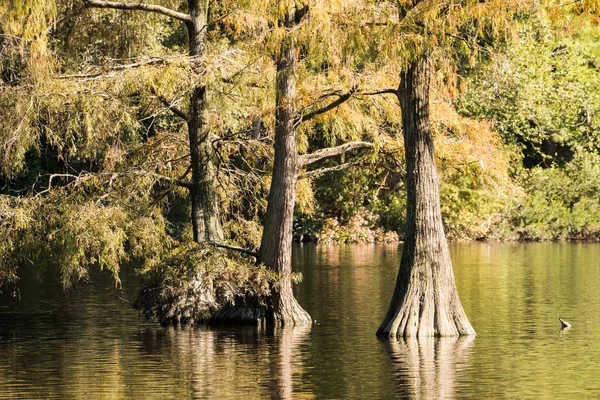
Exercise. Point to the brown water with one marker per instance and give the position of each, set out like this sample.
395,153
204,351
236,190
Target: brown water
89,344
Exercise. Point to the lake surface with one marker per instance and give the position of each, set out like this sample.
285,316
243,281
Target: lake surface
88,344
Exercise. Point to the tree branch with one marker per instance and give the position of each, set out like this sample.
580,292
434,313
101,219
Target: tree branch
139,6
384,91
231,78
185,184
52,176
341,99
178,182
307,159
216,21
152,61
235,248
169,104
323,171
177,111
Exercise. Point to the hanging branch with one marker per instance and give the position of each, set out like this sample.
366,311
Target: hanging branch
112,70
139,6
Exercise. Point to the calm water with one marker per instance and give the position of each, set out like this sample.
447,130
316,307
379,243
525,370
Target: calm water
89,344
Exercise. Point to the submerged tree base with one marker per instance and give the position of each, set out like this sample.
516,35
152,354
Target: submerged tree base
201,285
200,303
208,301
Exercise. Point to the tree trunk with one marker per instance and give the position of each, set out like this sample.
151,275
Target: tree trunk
206,222
425,300
276,244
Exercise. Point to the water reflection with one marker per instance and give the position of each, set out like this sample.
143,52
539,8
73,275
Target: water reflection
427,368
88,344
245,362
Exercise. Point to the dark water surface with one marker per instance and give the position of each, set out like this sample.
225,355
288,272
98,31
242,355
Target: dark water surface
88,344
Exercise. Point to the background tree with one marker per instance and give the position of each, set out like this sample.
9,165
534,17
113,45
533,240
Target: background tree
539,94
276,244
99,178
205,213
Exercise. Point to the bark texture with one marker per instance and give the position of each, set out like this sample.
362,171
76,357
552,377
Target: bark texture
425,300
276,244
206,222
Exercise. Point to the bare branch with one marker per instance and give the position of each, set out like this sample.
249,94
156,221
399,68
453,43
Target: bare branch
66,176
323,171
341,99
171,106
139,6
307,159
152,61
235,248
384,91
216,21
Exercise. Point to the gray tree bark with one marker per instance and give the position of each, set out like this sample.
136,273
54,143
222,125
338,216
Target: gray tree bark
206,221
425,300
276,243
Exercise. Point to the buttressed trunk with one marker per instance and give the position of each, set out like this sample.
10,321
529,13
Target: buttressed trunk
276,244
425,300
206,222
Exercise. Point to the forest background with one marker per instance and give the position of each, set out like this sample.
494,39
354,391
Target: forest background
94,150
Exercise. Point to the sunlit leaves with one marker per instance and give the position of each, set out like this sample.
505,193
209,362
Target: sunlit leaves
543,90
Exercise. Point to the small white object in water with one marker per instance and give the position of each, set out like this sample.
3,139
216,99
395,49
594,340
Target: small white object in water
564,324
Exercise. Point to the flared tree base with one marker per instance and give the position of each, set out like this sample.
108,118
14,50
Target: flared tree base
425,300
286,309
424,320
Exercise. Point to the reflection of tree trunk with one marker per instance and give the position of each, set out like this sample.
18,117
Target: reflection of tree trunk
425,300
426,367
290,338
276,243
